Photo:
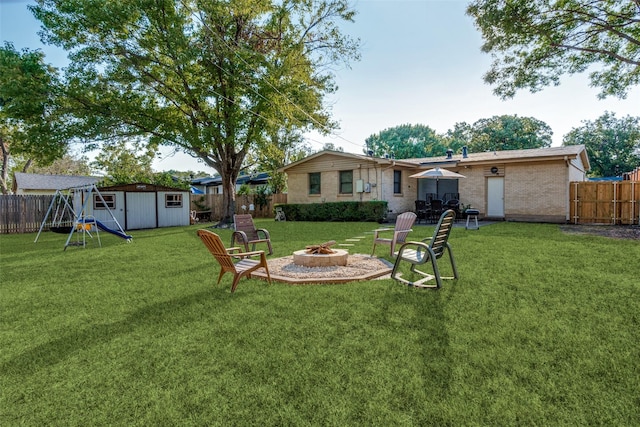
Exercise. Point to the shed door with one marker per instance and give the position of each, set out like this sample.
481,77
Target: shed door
495,197
141,211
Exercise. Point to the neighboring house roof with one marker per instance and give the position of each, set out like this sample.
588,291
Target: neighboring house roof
34,181
207,180
606,178
256,178
195,190
527,155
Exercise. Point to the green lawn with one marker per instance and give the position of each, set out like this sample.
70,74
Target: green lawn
542,328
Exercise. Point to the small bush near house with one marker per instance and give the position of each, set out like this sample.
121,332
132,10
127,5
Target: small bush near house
336,211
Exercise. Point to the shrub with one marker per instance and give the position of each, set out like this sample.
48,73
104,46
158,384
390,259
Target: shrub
336,211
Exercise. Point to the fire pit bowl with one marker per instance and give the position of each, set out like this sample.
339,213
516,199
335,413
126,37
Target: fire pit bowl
339,257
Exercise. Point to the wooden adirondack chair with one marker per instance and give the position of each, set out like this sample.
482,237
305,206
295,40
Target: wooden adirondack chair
225,257
246,233
430,249
404,222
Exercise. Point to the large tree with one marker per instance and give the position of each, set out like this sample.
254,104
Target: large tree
68,164
29,126
534,42
613,144
509,133
211,78
286,145
406,141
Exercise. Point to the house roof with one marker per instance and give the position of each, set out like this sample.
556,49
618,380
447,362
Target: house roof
34,181
355,157
511,156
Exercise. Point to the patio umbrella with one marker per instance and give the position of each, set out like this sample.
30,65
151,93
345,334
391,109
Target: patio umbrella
437,174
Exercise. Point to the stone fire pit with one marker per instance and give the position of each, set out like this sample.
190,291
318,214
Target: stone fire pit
338,257
321,264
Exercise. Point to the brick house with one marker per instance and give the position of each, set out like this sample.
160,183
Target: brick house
514,185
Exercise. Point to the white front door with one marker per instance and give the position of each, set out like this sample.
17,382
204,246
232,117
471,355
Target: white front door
495,197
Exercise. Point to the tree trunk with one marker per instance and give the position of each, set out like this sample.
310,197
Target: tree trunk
228,200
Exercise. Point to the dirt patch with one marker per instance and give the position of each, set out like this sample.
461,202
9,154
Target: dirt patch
613,231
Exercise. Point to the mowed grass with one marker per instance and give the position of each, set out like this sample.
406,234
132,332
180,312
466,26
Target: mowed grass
542,328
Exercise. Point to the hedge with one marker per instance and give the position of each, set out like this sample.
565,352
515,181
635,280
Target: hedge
336,211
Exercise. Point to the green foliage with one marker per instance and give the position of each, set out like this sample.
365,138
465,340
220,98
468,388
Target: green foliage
541,329
261,196
167,179
613,144
534,42
284,146
124,163
277,182
213,79
244,190
330,146
30,125
406,142
68,164
199,204
461,135
336,211
508,133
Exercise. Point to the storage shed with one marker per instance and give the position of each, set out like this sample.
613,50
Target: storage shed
138,206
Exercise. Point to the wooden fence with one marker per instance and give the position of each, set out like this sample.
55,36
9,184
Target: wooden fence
605,202
23,214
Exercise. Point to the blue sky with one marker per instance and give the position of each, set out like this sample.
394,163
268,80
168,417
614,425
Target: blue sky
421,64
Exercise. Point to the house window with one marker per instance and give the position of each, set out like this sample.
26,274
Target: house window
397,182
173,200
314,183
346,182
109,201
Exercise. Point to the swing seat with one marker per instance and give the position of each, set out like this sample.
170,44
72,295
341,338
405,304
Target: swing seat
61,230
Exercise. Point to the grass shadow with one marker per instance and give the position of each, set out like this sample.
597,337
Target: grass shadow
173,312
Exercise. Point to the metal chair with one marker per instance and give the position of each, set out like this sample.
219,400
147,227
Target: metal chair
430,249
225,256
436,209
454,204
422,210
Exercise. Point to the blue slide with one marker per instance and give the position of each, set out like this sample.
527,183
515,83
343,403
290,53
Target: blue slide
118,233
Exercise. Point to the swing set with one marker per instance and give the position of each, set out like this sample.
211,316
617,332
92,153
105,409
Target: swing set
66,220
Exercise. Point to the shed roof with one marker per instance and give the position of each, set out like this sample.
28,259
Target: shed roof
141,187
35,181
